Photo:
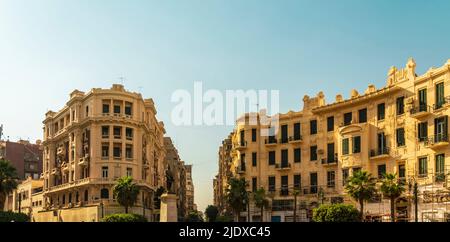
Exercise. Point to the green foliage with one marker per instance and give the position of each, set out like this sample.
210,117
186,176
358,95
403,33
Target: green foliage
392,188
224,218
12,216
8,180
126,192
236,194
211,213
124,218
336,213
361,187
193,216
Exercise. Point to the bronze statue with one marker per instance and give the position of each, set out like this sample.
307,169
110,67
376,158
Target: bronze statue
169,181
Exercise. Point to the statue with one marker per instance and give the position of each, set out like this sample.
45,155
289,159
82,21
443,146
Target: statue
169,181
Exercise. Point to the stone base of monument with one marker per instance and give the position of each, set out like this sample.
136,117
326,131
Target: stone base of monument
168,211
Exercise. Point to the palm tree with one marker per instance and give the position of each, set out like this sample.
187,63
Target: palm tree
236,195
261,201
8,180
392,188
361,187
126,192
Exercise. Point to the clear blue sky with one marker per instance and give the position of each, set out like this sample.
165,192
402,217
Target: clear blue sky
48,48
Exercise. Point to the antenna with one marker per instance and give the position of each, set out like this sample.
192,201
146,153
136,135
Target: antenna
121,78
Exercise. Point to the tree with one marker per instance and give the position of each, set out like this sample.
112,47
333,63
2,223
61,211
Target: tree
236,195
261,201
361,187
296,192
126,192
211,213
336,213
8,180
194,216
392,188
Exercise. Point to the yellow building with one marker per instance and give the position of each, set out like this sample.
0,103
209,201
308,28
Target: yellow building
26,198
96,138
400,128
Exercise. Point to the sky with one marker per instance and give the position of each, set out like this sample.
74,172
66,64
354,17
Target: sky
48,48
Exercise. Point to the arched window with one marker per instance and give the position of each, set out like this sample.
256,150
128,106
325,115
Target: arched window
104,193
86,195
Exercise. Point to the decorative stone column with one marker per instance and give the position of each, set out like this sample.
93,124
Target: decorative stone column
168,211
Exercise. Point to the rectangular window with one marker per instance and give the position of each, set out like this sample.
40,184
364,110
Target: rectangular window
356,144
105,132
117,151
117,132
380,111
400,105
297,131
129,152
242,162
313,126
105,108
128,108
441,129
401,171
381,171
297,155
105,172
253,135
331,179
254,159
284,158
347,118
105,150
423,166
362,115
400,137
345,146
129,133
254,184
313,182
284,185
271,158
242,137
423,106
297,182
440,99
422,130
271,184
440,163
284,133
129,171
330,153
313,153
345,175
117,109
382,146
330,123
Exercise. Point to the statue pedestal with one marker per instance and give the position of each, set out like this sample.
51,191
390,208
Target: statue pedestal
168,211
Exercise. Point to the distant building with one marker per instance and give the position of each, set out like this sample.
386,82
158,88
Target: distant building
189,189
24,156
26,198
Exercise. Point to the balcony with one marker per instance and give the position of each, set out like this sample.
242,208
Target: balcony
241,145
295,139
436,141
283,166
441,104
84,161
331,161
379,153
271,142
420,111
240,169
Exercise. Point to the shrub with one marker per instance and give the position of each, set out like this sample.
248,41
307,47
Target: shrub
12,216
224,218
124,218
336,213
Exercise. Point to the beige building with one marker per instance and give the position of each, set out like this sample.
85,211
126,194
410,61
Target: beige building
191,206
98,137
400,128
26,198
